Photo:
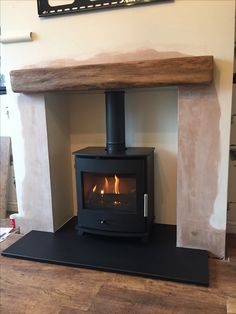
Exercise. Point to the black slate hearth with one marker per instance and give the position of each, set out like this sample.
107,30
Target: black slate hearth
160,258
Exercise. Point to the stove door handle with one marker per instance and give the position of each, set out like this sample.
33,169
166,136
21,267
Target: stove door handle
145,205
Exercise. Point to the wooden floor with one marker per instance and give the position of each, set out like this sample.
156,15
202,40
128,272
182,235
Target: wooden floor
37,288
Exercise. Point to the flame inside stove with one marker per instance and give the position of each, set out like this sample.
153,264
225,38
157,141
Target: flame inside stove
117,185
110,185
108,191
95,188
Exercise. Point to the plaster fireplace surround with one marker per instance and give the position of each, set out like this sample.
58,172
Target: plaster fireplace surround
198,136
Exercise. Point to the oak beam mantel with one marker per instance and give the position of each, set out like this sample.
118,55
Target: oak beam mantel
136,74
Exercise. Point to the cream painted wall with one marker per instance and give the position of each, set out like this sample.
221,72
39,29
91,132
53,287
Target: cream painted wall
189,27
58,132
151,120
165,27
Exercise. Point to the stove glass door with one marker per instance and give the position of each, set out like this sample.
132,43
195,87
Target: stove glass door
109,191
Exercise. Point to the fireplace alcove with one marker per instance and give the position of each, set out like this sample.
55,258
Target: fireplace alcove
115,184
174,71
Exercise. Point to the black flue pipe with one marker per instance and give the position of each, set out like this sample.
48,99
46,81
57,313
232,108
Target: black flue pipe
115,121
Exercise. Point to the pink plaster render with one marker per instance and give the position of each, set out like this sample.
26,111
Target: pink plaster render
197,169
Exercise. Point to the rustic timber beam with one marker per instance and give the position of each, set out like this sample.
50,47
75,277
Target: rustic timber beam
111,76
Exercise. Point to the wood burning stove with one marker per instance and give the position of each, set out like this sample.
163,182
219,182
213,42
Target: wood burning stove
115,184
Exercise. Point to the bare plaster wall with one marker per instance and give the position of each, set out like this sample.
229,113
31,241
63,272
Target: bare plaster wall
30,145
201,222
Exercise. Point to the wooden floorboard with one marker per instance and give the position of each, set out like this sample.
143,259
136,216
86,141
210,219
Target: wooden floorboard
35,288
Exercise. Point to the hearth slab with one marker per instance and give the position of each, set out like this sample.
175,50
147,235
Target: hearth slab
160,258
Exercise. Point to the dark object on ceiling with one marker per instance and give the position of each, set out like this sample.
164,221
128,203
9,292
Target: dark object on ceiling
78,6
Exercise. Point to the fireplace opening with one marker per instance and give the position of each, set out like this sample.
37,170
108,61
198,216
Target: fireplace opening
115,183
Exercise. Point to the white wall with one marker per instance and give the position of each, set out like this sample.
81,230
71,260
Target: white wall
189,27
175,26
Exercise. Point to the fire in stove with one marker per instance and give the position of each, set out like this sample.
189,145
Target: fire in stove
109,191
109,188
113,187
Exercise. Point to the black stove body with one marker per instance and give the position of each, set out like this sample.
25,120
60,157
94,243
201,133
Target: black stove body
115,184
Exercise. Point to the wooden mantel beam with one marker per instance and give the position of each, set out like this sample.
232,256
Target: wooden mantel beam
137,74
